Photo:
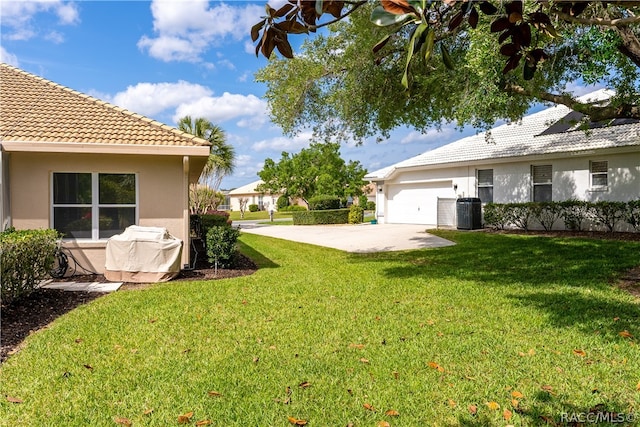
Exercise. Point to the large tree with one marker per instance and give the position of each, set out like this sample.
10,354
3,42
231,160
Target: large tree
221,159
317,170
422,63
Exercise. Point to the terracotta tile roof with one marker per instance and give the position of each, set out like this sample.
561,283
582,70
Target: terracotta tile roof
33,109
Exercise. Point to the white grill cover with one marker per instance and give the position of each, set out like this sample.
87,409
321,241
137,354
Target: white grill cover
143,255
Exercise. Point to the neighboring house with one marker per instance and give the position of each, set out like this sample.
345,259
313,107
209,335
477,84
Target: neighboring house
253,196
542,158
90,169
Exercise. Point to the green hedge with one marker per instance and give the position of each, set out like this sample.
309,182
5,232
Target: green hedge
26,258
292,208
332,216
576,214
356,214
324,202
221,246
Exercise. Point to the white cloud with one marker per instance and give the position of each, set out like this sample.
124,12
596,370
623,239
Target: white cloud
152,98
430,137
251,110
17,17
185,30
8,58
282,143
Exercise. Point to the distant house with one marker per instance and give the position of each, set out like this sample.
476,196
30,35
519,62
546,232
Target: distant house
545,157
253,197
90,169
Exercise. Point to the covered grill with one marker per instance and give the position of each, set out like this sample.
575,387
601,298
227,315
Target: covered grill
143,255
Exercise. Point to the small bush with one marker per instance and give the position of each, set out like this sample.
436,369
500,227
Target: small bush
362,201
200,224
221,245
324,202
356,214
26,258
546,213
608,214
496,215
574,214
632,214
253,208
283,202
333,216
520,214
371,206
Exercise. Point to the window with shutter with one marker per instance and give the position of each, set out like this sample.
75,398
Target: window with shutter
485,185
542,178
599,174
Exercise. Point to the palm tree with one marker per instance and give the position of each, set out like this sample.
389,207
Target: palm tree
222,156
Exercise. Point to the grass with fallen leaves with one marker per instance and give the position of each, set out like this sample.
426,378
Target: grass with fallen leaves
496,330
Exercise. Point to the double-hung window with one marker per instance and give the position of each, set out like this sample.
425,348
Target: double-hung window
541,183
93,205
599,171
485,185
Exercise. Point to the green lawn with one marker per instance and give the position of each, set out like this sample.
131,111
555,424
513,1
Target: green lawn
513,328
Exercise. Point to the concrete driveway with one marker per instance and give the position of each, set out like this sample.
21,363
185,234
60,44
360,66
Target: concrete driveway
360,238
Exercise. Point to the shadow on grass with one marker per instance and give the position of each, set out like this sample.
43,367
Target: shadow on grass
563,277
256,256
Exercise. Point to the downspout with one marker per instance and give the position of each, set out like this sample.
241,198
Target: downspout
186,232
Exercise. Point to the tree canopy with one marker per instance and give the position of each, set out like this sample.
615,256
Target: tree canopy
317,170
423,63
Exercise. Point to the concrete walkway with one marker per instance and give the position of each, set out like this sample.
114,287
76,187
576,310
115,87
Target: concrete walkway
361,238
82,286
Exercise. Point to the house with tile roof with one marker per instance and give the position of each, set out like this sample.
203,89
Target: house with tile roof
90,169
547,156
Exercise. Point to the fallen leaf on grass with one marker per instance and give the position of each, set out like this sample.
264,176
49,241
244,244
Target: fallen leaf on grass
304,384
473,409
625,334
493,405
89,367
516,394
435,366
548,389
383,424
203,422
185,418
615,319
369,407
507,414
147,411
392,413
358,346
297,422
579,352
79,340
515,403
214,393
452,403
363,360
123,421
16,400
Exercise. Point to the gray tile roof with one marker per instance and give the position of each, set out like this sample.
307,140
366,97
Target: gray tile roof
523,139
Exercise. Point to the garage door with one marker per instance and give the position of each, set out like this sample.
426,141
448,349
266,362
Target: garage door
415,203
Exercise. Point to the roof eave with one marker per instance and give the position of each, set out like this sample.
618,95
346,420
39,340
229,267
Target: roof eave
102,148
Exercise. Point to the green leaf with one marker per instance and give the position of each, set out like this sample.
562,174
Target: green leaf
382,18
427,47
414,45
381,43
319,4
446,57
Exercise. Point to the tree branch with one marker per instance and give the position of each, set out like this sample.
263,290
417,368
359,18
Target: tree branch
354,7
617,22
595,112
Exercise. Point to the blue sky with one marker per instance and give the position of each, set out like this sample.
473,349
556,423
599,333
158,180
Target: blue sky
167,59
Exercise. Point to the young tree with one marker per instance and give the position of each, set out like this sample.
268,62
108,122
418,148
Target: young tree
422,63
243,206
203,199
316,170
222,155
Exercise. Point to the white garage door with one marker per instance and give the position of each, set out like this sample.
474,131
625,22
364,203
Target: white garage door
416,203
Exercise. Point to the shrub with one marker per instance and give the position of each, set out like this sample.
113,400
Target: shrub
324,202
282,202
496,215
221,245
356,214
520,214
632,214
26,258
362,201
371,206
200,224
332,216
253,208
546,213
608,214
574,213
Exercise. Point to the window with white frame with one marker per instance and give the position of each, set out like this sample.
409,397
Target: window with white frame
485,185
541,183
599,171
93,205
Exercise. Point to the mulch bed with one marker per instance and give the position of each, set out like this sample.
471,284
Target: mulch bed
43,306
